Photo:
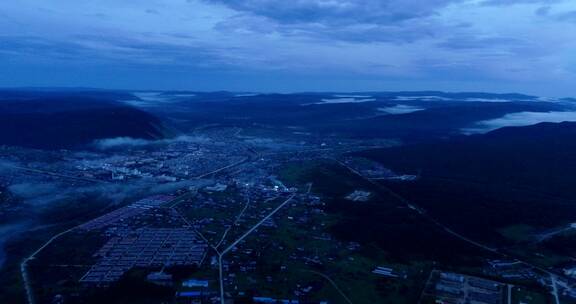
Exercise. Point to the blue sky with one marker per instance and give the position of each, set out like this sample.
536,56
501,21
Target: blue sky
524,46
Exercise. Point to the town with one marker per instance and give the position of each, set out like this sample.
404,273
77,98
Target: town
228,219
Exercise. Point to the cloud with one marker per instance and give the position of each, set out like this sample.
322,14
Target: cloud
400,109
108,49
30,191
279,45
338,12
395,21
515,2
121,142
7,166
8,231
340,100
472,42
543,11
43,194
110,143
520,119
136,189
566,16
40,194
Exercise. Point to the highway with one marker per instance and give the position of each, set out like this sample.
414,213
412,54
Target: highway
230,247
238,217
220,280
257,225
223,168
222,253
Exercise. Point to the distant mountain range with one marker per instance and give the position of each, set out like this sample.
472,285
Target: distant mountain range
65,118
405,116
40,93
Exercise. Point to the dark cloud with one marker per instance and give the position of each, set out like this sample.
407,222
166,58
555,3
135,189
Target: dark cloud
152,11
289,45
29,45
543,11
496,46
513,2
338,12
568,16
350,21
401,32
381,33
472,42
107,49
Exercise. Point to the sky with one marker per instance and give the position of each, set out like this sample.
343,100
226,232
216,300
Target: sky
526,46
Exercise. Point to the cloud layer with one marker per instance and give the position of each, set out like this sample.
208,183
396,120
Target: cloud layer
278,45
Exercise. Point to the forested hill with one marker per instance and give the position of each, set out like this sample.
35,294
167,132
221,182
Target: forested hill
71,121
540,157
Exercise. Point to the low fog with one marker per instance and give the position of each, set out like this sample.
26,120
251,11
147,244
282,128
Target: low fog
119,142
40,196
520,119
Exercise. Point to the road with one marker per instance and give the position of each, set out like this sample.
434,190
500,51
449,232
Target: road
181,198
24,265
221,281
222,253
189,194
554,289
339,150
426,285
424,214
541,238
238,217
172,204
223,168
227,249
258,224
327,278
417,209
54,174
